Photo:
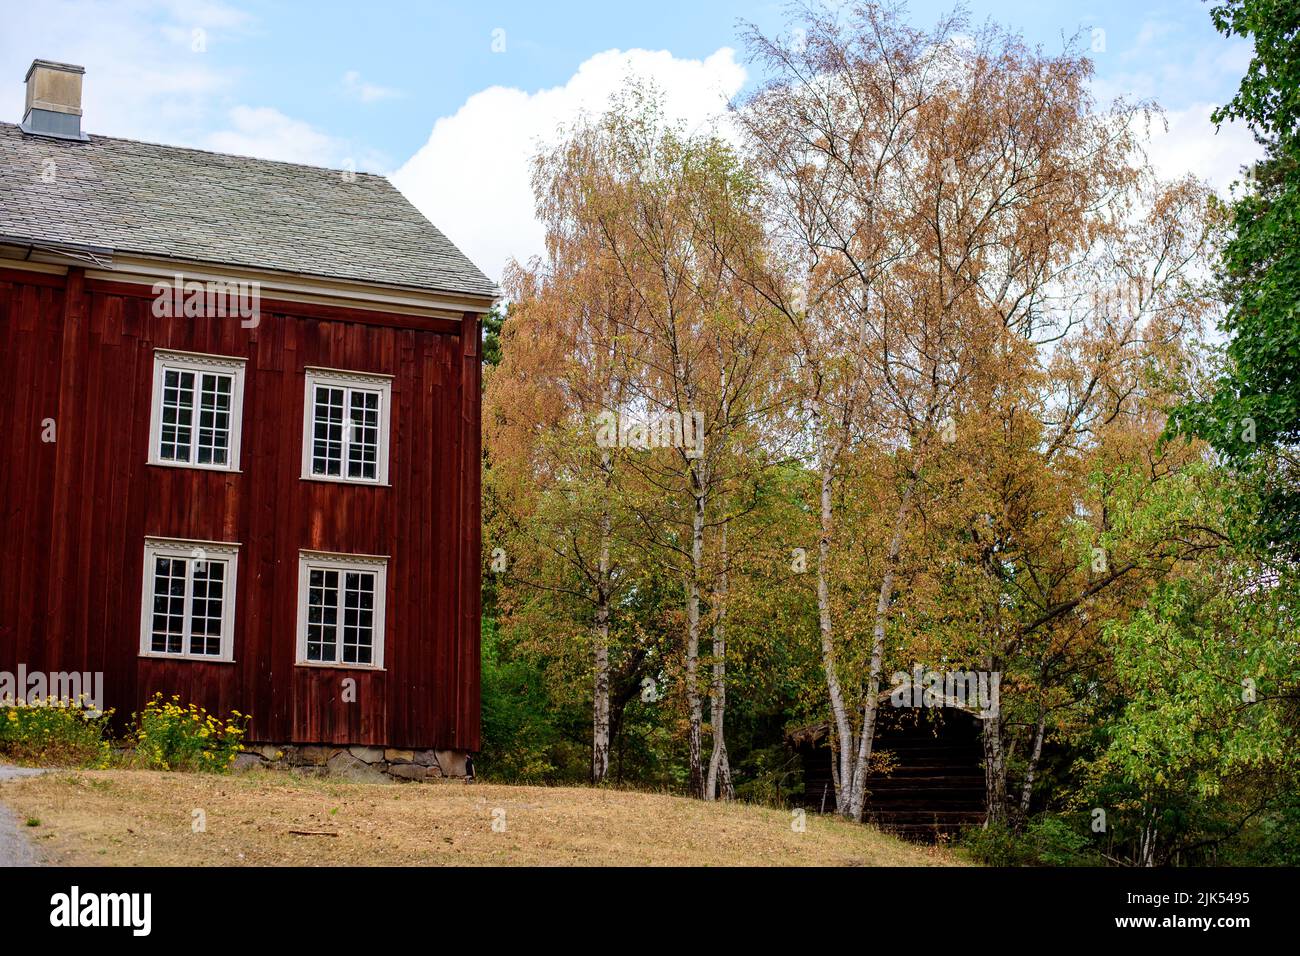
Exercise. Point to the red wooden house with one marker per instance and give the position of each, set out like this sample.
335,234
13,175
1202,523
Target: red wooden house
239,440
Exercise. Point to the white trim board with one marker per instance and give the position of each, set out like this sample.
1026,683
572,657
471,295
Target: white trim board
298,288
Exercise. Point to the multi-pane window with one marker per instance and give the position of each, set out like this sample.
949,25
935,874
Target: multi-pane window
341,609
363,420
188,605
197,401
346,426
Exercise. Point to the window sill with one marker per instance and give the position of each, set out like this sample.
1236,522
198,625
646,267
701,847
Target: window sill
355,482
326,665
194,467
197,658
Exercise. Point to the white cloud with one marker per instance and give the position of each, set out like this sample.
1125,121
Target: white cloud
269,134
472,176
1191,145
357,89
266,133
1174,66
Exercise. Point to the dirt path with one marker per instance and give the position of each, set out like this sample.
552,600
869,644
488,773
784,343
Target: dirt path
15,850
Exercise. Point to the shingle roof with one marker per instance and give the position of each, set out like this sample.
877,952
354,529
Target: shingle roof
174,202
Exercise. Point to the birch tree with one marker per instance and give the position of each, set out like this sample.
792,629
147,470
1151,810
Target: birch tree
653,216
927,193
677,216
554,489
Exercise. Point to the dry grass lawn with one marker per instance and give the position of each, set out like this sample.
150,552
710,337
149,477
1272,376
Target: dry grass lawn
125,818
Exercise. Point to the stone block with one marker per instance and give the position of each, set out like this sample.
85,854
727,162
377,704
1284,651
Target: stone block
247,761
407,771
451,763
348,767
368,754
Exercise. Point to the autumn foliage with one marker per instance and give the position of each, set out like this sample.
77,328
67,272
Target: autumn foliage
875,375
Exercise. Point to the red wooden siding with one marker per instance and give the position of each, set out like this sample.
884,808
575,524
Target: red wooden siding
76,512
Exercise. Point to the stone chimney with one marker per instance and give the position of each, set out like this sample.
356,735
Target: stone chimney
53,100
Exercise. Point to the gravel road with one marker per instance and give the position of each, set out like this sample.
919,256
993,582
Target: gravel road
14,848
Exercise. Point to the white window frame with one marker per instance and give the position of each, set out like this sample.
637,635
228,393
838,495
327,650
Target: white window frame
334,561
192,552
336,378
198,363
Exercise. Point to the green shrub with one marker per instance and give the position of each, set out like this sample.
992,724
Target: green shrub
521,733
53,732
170,736
1055,842
774,776
995,845
1046,840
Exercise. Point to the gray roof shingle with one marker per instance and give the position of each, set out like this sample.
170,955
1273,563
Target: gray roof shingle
190,204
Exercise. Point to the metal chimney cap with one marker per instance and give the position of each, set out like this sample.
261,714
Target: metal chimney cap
53,65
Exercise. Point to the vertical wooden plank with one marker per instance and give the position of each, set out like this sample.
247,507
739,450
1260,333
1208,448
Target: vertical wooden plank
65,591
468,656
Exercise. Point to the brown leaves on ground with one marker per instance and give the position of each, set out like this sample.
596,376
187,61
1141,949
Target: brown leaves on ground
137,818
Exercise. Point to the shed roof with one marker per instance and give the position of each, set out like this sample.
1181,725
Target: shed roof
179,203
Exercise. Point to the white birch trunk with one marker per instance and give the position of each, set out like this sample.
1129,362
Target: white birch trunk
1027,790
693,697
839,714
995,774
718,691
600,688
858,787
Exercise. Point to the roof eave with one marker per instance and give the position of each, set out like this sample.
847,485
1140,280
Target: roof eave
101,263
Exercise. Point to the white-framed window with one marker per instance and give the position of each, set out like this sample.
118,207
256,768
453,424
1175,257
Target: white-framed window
187,609
198,403
341,599
345,426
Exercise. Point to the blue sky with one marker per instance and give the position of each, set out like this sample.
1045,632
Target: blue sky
438,54
451,98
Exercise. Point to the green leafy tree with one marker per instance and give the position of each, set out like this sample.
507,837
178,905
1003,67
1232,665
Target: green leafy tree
1252,413
1198,730
492,323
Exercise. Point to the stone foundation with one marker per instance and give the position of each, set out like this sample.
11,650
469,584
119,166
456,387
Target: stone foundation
374,764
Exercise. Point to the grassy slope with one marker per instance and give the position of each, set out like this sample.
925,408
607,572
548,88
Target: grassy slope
122,817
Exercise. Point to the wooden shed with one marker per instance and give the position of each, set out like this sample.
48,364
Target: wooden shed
239,413
932,782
